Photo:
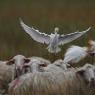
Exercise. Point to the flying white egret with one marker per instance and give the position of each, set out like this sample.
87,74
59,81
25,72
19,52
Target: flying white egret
53,40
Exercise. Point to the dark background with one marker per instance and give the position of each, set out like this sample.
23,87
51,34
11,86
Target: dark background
68,15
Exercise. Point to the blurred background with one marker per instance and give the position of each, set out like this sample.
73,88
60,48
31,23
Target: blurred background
68,15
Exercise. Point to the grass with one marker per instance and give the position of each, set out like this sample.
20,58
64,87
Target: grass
44,15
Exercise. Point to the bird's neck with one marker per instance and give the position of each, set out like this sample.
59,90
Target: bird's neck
55,32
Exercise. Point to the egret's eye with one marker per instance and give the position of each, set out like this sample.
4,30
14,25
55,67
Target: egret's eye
10,62
26,60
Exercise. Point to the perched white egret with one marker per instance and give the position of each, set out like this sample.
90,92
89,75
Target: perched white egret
53,40
74,54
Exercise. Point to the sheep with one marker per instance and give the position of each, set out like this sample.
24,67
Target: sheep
30,77
42,61
8,71
18,61
27,66
71,82
21,62
57,66
6,76
60,63
88,71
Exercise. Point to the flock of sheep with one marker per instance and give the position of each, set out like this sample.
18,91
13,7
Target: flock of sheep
22,75
37,76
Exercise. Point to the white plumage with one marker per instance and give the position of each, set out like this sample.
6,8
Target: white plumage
74,54
53,40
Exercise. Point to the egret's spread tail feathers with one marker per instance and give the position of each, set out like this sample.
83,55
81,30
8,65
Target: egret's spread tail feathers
51,50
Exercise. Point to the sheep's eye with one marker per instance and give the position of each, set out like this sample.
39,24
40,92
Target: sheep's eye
43,65
26,60
10,62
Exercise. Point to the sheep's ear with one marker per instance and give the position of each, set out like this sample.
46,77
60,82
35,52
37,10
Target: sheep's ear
80,72
26,60
10,62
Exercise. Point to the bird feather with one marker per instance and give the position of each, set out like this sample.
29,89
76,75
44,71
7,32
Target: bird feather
63,39
35,34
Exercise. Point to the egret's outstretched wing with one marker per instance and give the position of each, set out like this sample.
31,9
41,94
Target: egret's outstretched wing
35,34
63,39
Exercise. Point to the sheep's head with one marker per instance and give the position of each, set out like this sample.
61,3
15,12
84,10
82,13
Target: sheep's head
60,63
18,61
88,74
34,64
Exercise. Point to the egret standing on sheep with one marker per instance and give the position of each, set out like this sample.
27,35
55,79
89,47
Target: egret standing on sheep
54,39
76,53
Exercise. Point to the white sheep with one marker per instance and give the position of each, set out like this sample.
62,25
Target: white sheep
60,63
6,75
88,71
18,61
71,82
42,61
56,67
36,67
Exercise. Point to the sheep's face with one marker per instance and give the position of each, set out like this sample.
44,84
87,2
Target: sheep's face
18,61
88,73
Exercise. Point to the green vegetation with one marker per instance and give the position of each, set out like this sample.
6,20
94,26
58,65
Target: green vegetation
68,15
